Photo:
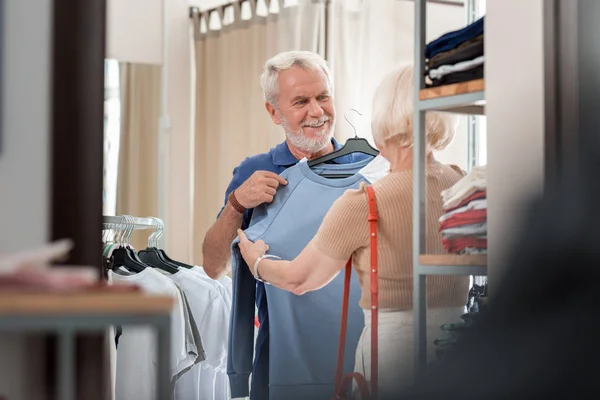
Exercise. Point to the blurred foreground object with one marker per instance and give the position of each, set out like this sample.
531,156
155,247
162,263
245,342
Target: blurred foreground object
31,270
537,339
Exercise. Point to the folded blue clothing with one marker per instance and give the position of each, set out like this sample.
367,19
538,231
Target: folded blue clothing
453,39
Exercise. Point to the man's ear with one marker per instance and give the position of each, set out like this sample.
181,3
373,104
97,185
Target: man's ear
273,114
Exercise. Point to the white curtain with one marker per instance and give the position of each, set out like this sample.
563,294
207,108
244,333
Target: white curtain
367,38
231,121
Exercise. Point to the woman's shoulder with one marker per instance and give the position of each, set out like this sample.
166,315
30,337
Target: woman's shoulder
453,169
354,198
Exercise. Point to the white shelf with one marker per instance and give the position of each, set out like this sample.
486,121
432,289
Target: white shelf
465,98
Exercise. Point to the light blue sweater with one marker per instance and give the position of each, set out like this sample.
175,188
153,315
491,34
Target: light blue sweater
303,330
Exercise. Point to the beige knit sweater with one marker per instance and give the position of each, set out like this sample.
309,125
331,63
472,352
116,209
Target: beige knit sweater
345,232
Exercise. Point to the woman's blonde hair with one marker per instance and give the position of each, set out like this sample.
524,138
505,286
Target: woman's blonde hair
393,112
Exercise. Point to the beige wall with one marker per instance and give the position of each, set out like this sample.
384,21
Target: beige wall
515,117
176,144
134,30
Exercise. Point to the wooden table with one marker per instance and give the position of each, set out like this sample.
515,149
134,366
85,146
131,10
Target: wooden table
69,313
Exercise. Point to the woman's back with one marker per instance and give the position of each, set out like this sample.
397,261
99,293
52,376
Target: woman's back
395,244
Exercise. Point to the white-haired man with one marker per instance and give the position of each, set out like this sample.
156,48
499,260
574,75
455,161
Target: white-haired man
299,96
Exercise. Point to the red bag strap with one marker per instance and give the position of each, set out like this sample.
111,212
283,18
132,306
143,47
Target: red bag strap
341,384
373,219
339,372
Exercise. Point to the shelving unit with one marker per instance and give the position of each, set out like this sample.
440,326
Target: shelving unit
466,98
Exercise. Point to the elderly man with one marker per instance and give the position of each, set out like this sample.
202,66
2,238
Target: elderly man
298,94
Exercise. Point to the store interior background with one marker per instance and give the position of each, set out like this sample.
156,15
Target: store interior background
156,37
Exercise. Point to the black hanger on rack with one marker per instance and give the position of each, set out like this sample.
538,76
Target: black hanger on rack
154,251
352,145
178,263
125,256
153,257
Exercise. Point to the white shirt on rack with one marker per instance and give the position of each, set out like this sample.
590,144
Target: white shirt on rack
211,313
136,354
217,284
220,378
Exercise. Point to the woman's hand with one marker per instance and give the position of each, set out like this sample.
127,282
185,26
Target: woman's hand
251,250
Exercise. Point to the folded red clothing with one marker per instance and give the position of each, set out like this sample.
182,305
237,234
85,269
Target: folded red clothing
475,196
465,218
457,244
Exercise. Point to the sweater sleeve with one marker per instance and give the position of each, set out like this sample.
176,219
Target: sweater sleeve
345,227
241,328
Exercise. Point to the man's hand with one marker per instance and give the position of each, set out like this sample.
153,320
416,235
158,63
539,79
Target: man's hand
258,189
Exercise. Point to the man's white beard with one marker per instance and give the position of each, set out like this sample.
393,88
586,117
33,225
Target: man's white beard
309,145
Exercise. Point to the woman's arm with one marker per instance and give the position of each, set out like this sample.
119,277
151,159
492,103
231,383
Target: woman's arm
310,270
344,230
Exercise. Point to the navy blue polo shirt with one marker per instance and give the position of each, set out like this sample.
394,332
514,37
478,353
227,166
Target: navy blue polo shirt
275,160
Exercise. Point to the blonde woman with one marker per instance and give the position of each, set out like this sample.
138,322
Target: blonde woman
345,233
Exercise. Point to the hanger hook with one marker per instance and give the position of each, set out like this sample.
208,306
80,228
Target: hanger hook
152,239
160,231
121,231
152,234
351,124
125,230
131,227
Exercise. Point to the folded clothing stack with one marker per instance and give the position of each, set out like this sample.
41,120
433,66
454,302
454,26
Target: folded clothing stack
456,56
464,224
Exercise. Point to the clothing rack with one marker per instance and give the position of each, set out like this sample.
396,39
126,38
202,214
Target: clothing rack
137,222
197,10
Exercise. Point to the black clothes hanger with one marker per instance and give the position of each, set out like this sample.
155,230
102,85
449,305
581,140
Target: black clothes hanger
122,257
125,256
352,145
154,259
178,263
154,254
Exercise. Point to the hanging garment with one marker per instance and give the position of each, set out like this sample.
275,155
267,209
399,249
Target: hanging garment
453,39
221,381
211,314
276,160
136,355
215,283
377,169
299,366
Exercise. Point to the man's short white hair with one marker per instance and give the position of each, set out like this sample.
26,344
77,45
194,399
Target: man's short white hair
393,112
307,60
